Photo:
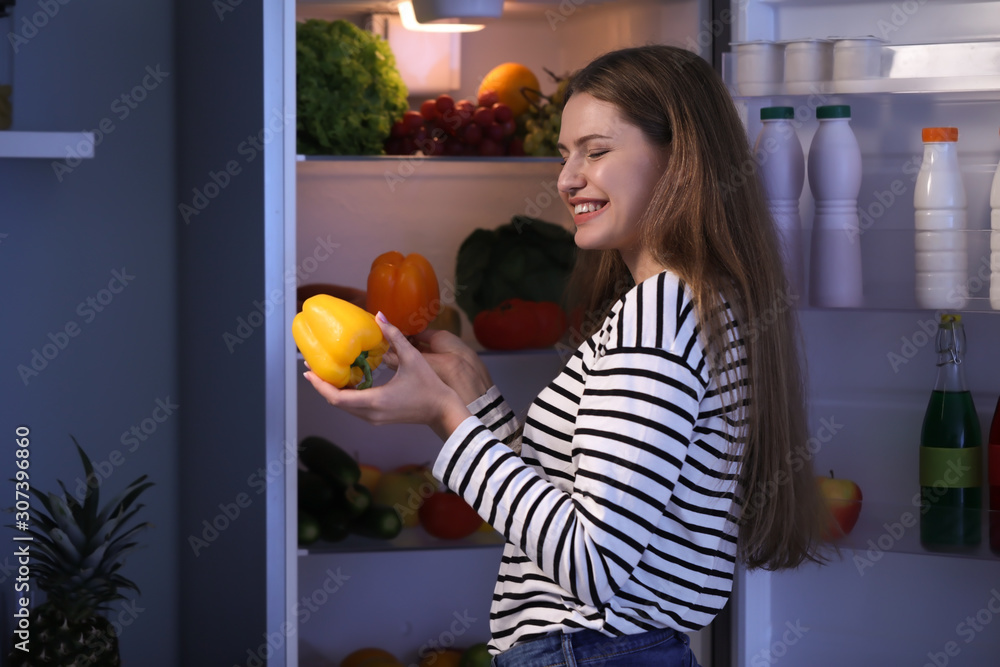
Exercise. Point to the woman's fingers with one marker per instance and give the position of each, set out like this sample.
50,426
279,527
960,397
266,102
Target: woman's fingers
424,336
359,402
325,389
396,339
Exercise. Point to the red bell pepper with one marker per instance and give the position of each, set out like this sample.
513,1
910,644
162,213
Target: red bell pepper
517,324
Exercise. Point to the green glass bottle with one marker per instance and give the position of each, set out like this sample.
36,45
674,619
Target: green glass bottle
950,451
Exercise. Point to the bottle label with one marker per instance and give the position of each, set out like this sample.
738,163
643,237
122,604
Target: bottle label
951,468
994,465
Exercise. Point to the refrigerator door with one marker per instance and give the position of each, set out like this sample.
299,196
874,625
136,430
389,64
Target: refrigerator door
884,599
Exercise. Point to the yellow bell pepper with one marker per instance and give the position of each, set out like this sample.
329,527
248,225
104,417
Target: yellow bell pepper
341,342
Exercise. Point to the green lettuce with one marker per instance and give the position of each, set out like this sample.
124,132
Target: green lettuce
348,90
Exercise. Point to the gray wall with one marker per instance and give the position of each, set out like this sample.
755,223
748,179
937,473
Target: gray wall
64,239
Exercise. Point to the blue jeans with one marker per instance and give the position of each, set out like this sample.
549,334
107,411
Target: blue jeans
589,648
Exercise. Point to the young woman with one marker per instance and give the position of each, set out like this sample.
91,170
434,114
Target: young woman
672,445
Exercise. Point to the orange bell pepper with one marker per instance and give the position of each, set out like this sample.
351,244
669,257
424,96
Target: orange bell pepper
405,289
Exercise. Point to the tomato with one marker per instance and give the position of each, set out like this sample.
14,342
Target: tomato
446,515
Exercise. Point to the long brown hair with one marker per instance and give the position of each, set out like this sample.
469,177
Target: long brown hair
709,223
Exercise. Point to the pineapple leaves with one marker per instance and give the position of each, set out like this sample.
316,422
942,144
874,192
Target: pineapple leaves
67,521
92,500
79,546
112,528
64,544
124,500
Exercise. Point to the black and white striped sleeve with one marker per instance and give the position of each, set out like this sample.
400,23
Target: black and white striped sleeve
492,410
639,403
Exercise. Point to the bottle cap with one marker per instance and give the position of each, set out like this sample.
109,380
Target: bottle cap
834,111
936,134
951,318
777,113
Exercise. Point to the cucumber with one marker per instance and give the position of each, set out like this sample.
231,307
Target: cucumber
327,459
335,525
309,528
357,499
315,492
378,521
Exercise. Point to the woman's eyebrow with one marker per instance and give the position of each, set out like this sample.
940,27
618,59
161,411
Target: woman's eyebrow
584,139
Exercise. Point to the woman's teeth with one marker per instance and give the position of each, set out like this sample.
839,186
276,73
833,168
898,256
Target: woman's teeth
587,208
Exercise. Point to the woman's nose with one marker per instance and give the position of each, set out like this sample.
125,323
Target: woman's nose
570,178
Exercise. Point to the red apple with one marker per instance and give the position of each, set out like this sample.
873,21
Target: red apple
843,498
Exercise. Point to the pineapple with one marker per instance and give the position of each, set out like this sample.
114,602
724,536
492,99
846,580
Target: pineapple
76,554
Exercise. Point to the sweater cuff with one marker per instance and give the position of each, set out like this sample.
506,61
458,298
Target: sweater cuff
492,410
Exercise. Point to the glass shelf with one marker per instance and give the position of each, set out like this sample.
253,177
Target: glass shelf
413,538
885,528
888,258
976,305
52,145
966,70
968,88
435,159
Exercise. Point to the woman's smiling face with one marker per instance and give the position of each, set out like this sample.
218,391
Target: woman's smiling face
610,170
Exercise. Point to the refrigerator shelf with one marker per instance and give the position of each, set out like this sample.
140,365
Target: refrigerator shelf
974,305
52,145
414,538
960,88
954,68
894,528
888,255
430,159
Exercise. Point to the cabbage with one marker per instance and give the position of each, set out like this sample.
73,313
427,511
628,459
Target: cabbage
348,90
527,258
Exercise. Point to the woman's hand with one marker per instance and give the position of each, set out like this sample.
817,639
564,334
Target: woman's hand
455,363
415,395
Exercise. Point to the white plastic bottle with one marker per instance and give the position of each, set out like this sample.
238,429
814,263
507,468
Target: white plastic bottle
995,242
940,222
835,180
782,168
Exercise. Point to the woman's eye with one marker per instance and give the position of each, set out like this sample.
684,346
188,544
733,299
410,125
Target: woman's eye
562,162
596,154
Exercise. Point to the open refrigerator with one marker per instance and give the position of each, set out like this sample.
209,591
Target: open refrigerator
882,600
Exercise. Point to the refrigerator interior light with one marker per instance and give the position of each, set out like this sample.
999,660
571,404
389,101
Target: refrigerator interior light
409,19
429,62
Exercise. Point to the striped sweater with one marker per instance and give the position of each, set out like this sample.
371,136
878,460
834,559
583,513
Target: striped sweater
620,511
